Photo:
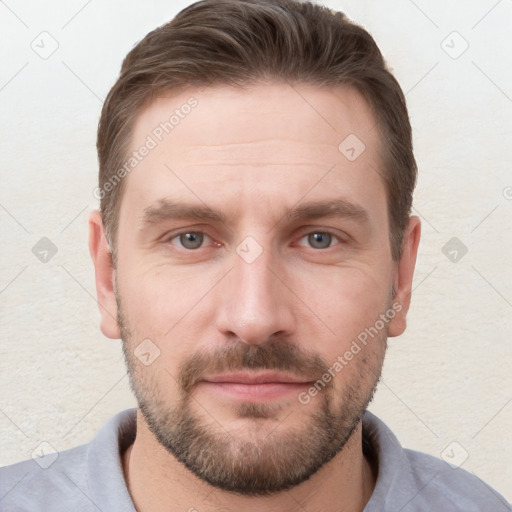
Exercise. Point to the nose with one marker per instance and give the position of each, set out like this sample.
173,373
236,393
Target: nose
255,301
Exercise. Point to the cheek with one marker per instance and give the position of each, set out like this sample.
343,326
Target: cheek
166,305
342,304
145,300
350,294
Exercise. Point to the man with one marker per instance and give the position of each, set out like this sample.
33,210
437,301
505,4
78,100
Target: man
254,250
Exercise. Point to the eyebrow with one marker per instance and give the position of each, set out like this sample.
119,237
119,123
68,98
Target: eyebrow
166,209
333,208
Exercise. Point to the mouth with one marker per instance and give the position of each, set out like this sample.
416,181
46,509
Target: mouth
254,386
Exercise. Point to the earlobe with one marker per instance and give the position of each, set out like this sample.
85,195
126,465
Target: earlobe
104,276
403,278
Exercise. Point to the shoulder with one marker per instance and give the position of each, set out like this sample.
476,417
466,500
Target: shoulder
35,484
85,478
413,481
441,486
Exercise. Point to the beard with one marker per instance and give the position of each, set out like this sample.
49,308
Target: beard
256,460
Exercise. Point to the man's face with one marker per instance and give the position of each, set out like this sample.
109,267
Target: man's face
255,289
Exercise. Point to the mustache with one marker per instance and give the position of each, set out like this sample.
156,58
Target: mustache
275,354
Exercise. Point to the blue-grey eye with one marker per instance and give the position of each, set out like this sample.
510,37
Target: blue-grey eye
320,240
191,240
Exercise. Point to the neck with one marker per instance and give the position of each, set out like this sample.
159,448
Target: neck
155,479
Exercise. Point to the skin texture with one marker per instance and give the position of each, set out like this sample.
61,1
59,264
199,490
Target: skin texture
297,307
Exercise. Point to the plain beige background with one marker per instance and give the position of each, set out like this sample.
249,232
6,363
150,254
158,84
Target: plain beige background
446,386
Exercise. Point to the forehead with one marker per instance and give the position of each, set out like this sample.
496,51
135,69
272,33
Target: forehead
214,115
271,138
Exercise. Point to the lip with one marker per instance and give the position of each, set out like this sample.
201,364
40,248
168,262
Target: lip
256,378
255,387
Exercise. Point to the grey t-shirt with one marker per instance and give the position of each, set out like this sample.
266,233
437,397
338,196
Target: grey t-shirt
90,477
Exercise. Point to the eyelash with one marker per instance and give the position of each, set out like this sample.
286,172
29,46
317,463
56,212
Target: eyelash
321,231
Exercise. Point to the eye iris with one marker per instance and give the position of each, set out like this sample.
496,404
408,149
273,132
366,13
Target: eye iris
191,240
320,240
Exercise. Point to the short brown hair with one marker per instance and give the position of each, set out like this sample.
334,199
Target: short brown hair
239,42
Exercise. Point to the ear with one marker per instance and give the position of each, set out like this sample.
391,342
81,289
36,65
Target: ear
403,276
104,271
